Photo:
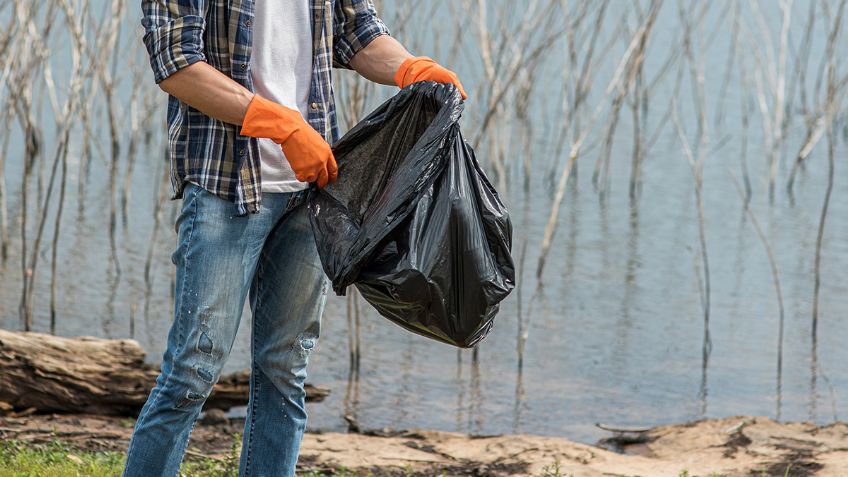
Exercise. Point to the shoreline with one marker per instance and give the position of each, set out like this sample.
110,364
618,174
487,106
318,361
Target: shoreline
733,446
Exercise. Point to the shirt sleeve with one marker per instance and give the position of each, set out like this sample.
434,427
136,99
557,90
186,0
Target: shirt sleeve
355,24
173,34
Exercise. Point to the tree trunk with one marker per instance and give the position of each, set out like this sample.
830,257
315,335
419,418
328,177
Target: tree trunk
94,375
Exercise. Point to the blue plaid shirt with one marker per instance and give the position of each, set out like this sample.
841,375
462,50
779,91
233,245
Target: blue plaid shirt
212,153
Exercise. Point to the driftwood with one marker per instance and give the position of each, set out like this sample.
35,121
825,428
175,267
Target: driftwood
49,373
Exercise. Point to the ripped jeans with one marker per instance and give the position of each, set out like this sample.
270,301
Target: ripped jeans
220,258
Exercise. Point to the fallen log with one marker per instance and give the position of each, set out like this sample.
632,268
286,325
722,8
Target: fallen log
94,375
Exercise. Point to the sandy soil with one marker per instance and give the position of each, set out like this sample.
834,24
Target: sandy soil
736,446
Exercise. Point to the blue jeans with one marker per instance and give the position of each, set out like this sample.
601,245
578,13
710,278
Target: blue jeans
220,258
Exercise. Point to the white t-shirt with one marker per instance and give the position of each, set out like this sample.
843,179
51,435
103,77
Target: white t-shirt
281,64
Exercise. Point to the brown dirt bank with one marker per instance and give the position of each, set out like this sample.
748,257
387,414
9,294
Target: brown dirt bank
736,446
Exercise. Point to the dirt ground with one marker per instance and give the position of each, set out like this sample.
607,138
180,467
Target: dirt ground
735,446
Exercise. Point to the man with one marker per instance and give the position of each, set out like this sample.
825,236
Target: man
250,114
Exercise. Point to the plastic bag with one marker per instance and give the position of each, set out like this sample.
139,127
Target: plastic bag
413,222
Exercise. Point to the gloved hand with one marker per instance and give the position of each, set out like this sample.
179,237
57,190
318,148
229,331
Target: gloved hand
308,153
422,68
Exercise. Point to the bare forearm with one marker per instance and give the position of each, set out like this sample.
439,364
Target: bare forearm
380,59
211,92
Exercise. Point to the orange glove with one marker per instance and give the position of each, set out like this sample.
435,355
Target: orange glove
421,68
308,153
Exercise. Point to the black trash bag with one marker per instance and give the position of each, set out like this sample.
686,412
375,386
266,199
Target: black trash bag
413,222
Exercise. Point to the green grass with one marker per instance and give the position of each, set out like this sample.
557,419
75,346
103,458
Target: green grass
56,459
553,470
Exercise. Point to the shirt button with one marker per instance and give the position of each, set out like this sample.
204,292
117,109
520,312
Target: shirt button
314,105
244,66
241,152
247,24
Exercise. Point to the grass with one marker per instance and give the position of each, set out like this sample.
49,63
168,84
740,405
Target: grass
57,459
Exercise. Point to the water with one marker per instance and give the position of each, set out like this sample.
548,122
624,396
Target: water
616,329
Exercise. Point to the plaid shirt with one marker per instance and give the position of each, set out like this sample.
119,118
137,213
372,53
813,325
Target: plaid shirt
212,153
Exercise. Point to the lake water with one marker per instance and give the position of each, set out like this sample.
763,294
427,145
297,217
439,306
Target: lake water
616,329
